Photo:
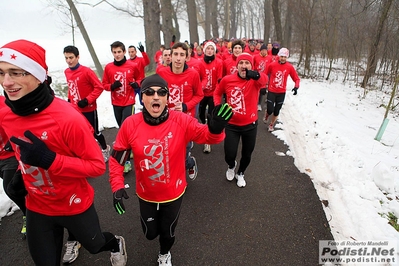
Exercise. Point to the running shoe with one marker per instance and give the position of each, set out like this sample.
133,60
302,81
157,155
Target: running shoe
207,148
165,260
193,171
231,172
71,252
240,180
106,153
128,167
119,258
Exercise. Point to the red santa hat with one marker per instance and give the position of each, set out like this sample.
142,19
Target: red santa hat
27,55
245,56
210,43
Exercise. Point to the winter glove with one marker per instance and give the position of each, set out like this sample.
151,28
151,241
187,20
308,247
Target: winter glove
173,38
263,91
16,187
118,200
295,90
34,153
141,47
134,85
8,146
116,85
251,74
221,115
83,103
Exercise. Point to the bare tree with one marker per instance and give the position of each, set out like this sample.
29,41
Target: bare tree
371,60
167,21
266,23
153,27
192,20
277,20
86,37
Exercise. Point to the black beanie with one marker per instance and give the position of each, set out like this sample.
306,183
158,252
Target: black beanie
264,46
153,80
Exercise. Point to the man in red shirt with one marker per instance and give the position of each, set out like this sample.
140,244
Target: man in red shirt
230,64
121,77
242,91
57,153
185,92
260,63
84,88
278,73
213,74
142,62
156,137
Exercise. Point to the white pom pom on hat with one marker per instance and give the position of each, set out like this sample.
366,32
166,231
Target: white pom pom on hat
26,55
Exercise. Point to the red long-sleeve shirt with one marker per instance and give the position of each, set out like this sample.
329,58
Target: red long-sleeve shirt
83,83
278,76
63,188
242,95
126,73
142,62
213,73
157,153
185,87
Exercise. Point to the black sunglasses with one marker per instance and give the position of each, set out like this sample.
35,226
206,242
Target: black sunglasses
161,92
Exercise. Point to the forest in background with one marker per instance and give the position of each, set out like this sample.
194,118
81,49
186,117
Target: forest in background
362,35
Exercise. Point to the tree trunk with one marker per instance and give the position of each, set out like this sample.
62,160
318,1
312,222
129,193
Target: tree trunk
167,21
233,21
153,28
86,37
192,20
371,60
288,27
208,19
277,20
266,22
214,18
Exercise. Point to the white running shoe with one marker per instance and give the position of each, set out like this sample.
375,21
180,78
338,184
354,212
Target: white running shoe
207,148
271,127
165,260
259,107
193,171
231,172
119,258
71,252
266,117
240,180
106,153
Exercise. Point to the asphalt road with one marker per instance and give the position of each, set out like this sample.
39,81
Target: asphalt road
277,219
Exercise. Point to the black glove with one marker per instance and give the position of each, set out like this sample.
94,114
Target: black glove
262,91
221,115
34,153
116,85
251,74
118,200
83,103
295,90
173,38
16,187
8,146
141,47
134,85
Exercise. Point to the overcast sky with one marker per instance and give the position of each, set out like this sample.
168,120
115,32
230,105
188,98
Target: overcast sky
34,21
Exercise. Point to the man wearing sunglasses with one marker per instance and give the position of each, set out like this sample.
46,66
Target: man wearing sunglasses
156,137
